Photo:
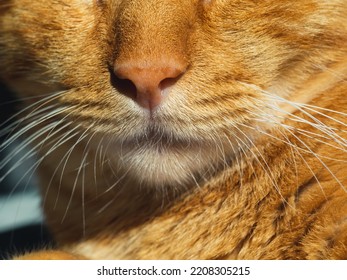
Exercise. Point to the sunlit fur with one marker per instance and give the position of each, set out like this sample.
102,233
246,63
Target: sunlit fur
244,159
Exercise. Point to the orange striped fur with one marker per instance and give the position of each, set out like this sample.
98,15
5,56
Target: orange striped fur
245,158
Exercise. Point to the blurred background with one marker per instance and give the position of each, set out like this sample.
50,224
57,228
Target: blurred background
21,219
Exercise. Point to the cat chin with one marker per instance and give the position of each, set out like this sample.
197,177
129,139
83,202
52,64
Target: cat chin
165,167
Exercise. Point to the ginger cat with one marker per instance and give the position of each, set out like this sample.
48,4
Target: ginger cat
184,129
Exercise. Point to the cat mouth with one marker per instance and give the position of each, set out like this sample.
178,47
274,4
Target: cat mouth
156,156
154,137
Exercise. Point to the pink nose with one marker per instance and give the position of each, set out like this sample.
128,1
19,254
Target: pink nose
150,80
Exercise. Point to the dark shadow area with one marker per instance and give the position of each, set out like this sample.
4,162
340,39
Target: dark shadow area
20,238
25,239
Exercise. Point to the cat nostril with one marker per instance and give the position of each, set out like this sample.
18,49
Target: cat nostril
168,82
124,86
146,84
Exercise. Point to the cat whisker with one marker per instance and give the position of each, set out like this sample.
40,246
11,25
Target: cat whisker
328,130
68,153
262,162
118,180
62,139
320,160
114,197
33,168
11,128
68,136
83,198
40,105
32,153
336,74
268,118
74,189
304,108
37,121
39,133
237,156
293,148
97,161
307,150
319,125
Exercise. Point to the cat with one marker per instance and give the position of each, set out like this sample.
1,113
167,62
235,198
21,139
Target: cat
183,129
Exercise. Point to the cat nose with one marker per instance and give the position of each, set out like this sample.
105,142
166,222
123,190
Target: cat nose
147,82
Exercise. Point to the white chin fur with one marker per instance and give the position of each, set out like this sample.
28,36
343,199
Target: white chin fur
166,167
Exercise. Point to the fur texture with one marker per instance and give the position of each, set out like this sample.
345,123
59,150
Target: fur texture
244,158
